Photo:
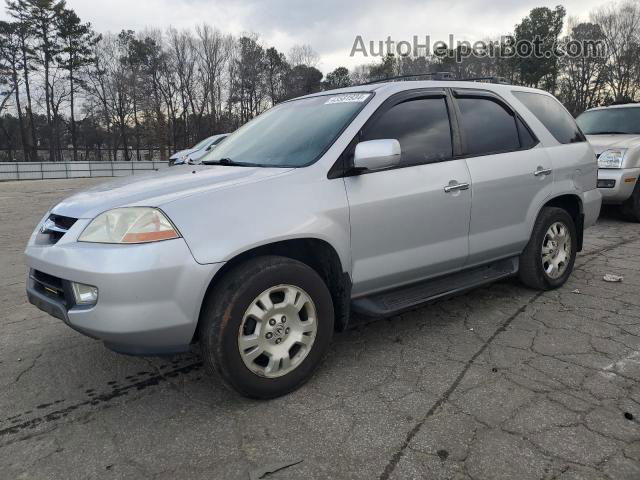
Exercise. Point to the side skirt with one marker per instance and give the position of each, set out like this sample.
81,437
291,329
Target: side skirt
393,302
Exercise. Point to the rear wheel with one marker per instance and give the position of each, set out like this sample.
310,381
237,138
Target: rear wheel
631,207
266,326
548,260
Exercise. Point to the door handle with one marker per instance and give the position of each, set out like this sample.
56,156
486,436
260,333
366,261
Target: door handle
542,171
454,187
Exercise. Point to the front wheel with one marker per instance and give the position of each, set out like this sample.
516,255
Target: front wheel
631,207
548,260
266,326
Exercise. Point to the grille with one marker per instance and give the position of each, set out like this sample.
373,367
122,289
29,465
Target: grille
52,287
56,226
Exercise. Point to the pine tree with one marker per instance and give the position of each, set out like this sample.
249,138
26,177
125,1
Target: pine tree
76,51
43,16
18,10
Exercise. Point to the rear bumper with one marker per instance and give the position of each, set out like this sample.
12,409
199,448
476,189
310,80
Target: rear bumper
149,296
616,185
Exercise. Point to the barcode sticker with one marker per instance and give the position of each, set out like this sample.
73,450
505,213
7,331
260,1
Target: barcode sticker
348,98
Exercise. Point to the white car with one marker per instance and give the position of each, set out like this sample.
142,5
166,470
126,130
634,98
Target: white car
195,153
614,133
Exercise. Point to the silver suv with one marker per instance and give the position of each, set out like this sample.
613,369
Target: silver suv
614,133
367,201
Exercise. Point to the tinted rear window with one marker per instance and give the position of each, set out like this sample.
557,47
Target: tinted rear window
553,116
487,127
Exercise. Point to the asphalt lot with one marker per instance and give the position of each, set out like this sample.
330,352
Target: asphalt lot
502,382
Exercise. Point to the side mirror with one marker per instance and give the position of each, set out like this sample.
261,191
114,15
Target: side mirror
377,154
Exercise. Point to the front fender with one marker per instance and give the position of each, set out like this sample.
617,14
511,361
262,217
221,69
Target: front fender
219,225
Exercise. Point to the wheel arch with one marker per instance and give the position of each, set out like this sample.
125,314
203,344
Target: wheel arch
572,204
318,254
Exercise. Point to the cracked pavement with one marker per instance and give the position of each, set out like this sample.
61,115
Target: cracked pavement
502,382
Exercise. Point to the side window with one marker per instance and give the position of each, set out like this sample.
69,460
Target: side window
487,127
421,126
553,116
527,140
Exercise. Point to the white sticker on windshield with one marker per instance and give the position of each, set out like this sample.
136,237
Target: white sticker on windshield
348,98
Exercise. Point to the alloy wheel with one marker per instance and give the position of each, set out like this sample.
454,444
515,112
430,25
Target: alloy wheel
277,331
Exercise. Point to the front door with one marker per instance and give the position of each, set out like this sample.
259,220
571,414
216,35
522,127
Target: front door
410,222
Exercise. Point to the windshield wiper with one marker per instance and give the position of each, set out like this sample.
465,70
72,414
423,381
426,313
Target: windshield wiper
610,133
228,161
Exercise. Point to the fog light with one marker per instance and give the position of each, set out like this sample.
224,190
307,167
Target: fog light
606,183
84,294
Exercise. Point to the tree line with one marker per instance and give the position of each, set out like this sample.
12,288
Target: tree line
603,76
66,88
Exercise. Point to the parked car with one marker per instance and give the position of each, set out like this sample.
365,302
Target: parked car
194,154
369,200
614,133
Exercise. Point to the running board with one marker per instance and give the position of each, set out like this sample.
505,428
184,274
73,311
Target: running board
392,302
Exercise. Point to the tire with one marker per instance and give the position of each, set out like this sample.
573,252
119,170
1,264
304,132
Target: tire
226,321
631,207
533,269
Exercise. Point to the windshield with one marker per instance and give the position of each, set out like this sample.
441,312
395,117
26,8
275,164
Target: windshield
201,144
610,121
292,134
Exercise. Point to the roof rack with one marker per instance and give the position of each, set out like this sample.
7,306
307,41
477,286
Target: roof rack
500,80
435,76
440,76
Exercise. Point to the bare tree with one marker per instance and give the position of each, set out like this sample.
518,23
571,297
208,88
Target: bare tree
214,51
183,58
620,26
153,69
303,55
116,82
582,79
96,86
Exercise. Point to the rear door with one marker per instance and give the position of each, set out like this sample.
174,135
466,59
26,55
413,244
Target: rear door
410,222
510,175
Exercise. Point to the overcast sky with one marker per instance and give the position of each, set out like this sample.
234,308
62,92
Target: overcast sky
329,26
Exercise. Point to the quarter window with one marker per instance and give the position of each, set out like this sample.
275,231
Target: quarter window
421,126
526,138
487,127
553,116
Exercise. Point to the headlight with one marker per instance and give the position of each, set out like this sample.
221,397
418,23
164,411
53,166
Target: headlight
129,225
611,158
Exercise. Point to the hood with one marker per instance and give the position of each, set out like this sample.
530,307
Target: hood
600,143
181,153
158,188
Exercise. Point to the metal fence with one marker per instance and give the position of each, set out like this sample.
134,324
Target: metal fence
66,155
50,170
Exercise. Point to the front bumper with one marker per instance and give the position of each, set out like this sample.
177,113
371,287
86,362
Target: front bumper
616,185
149,295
